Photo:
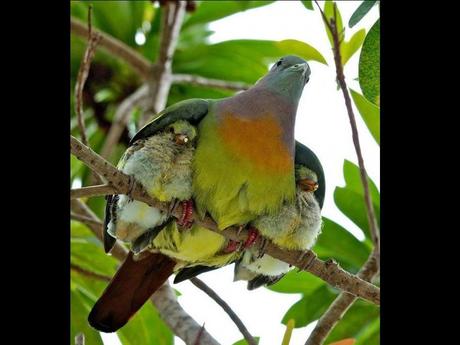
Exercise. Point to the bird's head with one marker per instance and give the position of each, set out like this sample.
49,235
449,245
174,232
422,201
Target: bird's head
287,77
306,179
183,131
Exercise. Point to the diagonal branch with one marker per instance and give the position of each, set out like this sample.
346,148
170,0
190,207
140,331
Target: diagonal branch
371,218
89,274
328,271
98,190
340,306
164,299
211,293
140,64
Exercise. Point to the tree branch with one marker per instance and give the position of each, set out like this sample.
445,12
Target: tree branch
211,293
93,40
164,299
99,190
161,77
139,63
202,81
328,271
340,306
372,220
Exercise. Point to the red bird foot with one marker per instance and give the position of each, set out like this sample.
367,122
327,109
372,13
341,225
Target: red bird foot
232,246
186,219
253,235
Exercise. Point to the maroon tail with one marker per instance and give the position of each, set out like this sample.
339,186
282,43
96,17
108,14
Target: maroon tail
129,289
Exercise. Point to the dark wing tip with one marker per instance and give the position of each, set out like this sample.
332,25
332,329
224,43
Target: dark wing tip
190,272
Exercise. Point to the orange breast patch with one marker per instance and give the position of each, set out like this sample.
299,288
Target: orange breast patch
257,140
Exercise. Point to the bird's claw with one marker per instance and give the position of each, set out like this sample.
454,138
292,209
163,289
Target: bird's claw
262,248
131,185
308,185
253,235
186,219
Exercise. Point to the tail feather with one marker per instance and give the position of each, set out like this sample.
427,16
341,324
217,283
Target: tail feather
129,289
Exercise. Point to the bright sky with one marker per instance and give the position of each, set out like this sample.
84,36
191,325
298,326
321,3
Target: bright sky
322,124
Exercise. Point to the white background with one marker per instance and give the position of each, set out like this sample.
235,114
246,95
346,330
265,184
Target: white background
322,124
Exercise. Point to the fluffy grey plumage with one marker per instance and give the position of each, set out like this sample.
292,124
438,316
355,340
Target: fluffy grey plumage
162,164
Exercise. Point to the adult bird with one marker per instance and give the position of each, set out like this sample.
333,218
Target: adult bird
242,167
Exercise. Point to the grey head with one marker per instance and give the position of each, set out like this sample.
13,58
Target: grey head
287,77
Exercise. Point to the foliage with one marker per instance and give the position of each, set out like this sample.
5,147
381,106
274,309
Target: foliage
111,80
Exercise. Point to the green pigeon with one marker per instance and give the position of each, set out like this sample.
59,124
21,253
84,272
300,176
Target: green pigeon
295,227
242,168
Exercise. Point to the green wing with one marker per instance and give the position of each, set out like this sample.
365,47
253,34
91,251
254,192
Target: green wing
305,156
192,110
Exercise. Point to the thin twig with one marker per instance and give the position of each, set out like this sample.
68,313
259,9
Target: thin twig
208,82
164,299
114,46
85,220
328,271
89,274
340,306
83,75
372,220
211,293
122,116
161,77
99,190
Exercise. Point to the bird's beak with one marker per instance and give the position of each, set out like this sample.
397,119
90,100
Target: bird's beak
306,72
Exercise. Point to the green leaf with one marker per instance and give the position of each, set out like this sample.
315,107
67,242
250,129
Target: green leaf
369,112
146,327
369,65
308,4
297,282
310,307
360,316
244,342
89,255
360,12
209,11
350,199
370,334
79,310
337,243
349,48
239,60
329,14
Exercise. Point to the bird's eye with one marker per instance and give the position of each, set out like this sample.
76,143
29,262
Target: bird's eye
278,63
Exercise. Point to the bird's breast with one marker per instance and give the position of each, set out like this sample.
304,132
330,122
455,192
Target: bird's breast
257,140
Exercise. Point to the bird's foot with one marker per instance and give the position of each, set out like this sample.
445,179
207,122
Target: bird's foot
253,235
262,248
308,185
186,219
303,266
232,246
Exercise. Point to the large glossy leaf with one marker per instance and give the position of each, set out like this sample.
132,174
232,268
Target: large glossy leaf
369,65
297,282
369,112
360,316
360,12
79,309
310,307
89,255
350,199
370,334
337,243
209,11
